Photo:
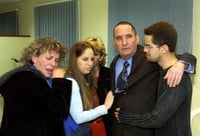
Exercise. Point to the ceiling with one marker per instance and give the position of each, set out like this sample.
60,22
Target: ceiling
8,1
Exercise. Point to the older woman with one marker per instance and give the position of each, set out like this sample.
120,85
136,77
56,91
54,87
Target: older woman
36,95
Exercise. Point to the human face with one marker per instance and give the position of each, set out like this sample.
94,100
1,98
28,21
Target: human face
97,59
85,62
152,50
125,41
46,62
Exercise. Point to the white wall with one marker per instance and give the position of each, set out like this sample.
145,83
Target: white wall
11,47
196,78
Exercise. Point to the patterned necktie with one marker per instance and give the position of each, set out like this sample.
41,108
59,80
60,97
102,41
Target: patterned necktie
122,83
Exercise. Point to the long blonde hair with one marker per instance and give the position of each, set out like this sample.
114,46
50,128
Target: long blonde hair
86,82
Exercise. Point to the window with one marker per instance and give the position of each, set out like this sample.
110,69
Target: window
58,20
9,23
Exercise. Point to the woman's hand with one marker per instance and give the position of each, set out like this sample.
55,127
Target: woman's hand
109,99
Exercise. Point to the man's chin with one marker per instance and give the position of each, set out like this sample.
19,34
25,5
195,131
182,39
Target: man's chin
48,75
149,59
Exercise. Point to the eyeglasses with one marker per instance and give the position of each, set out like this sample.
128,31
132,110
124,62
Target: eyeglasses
147,46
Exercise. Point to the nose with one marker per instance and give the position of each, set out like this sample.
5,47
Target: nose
90,62
124,40
54,63
145,49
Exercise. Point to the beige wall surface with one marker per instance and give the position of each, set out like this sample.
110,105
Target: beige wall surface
94,22
195,112
94,19
11,48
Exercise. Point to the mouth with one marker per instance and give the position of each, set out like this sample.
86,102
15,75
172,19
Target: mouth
125,49
49,71
147,56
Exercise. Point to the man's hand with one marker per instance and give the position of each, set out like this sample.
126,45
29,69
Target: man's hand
116,114
174,74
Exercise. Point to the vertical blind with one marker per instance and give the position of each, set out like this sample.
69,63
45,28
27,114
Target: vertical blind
142,13
9,23
58,20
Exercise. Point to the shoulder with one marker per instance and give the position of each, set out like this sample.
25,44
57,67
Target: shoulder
187,78
27,79
62,82
75,86
73,81
20,72
112,65
140,48
104,73
104,69
140,60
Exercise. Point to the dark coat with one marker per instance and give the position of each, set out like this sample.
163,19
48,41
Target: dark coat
31,106
103,86
141,94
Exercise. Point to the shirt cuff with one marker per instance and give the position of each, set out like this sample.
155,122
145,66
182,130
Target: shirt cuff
187,66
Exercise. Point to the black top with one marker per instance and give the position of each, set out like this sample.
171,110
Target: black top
103,86
171,114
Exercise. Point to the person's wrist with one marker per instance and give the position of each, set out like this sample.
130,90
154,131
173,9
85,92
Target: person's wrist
186,65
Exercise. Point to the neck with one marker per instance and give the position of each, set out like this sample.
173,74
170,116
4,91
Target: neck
96,68
167,60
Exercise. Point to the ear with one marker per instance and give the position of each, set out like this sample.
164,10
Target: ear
164,48
101,58
137,39
34,59
113,41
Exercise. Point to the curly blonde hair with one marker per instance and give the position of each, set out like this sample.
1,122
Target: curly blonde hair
40,46
99,48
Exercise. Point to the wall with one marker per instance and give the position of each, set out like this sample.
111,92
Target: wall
11,48
94,19
196,78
